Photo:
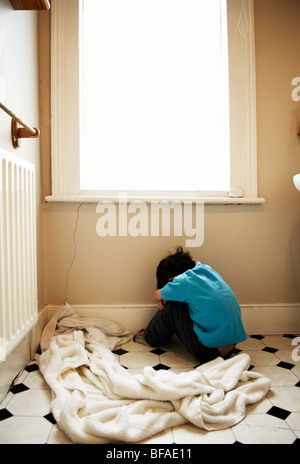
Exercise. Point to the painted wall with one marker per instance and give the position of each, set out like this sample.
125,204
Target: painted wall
255,248
19,90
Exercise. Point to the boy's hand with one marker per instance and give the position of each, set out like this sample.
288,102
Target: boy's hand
160,305
160,301
157,295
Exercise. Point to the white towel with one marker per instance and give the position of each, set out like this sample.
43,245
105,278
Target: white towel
96,400
66,320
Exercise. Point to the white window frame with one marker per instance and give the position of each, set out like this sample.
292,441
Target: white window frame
65,109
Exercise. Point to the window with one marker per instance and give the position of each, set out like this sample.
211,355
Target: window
154,98
155,85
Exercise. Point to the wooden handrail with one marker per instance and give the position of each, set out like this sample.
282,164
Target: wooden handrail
17,132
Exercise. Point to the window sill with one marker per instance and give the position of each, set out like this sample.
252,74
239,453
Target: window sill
129,198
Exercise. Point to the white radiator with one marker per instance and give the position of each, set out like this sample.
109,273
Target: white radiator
18,270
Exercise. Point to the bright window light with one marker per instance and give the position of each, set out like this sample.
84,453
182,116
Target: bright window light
155,103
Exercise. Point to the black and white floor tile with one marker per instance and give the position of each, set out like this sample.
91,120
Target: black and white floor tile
25,415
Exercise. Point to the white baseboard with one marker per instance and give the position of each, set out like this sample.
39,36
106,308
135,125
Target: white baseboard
18,358
271,319
258,319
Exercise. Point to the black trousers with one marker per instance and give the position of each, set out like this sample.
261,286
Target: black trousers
175,318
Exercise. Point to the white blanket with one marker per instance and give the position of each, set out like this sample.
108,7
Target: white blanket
66,320
96,400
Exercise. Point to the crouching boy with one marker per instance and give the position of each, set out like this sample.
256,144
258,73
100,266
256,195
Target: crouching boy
196,304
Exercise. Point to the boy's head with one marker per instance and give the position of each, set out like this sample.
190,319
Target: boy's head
173,265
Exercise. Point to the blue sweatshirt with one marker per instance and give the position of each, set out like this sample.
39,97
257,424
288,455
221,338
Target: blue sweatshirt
212,305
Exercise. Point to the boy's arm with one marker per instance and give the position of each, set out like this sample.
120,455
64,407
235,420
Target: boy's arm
174,290
157,295
160,301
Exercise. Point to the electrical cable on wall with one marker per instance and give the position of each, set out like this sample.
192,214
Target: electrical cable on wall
74,253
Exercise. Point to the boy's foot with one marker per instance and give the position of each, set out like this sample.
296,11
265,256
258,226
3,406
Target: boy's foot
139,337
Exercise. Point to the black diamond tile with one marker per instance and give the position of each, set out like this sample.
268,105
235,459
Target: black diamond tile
269,349
278,412
161,366
120,351
257,337
4,414
50,418
292,336
32,368
19,388
39,351
285,365
158,351
236,351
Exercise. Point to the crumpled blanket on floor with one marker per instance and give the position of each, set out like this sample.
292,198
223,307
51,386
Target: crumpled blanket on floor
96,400
66,320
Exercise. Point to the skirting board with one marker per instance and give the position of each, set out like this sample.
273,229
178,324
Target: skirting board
18,358
258,319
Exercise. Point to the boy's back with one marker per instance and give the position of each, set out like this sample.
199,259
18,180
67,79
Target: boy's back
194,302
212,305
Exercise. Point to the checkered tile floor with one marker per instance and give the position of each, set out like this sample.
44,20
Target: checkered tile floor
25,415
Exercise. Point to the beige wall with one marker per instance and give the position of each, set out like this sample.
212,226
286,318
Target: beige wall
255,248
19,89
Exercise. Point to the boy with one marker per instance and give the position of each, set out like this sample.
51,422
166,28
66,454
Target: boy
196,303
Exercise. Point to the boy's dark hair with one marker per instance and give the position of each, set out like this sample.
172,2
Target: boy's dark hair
173,265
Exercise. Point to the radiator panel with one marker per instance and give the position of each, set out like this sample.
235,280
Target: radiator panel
18,270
